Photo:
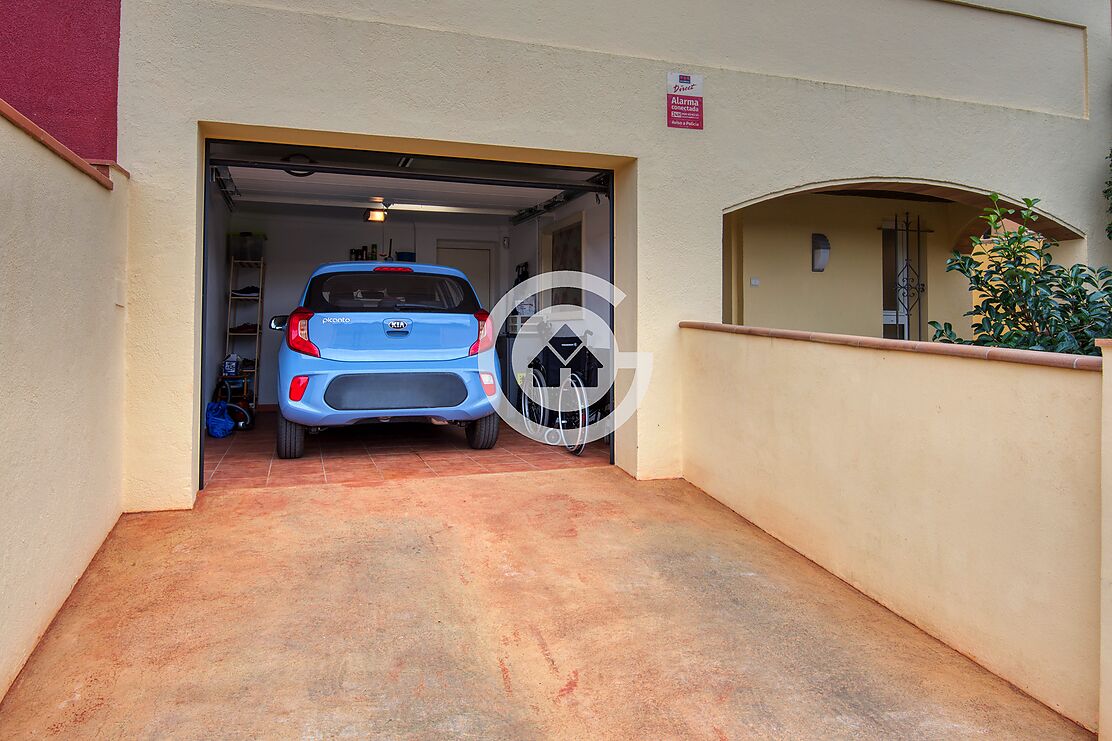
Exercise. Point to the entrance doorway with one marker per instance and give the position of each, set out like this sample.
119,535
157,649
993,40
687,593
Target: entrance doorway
473,259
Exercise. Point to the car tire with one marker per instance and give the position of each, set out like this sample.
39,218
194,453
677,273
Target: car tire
291,438
482,434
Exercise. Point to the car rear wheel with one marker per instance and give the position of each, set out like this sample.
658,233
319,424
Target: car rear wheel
482,434
291,438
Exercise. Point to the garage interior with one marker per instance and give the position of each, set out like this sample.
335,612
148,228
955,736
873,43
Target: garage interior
273,213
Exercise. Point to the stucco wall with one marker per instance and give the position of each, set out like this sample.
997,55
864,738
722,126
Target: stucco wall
59,66
846,297
62,252
964,494
588,91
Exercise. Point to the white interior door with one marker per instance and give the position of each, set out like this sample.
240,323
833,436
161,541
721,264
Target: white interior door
474,260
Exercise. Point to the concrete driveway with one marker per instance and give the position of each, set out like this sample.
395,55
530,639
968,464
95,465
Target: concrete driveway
571,603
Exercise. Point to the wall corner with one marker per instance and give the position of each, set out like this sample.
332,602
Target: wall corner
1104,698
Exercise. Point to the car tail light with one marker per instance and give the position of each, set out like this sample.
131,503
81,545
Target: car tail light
485,340
392,269
297,332
489,386
297,387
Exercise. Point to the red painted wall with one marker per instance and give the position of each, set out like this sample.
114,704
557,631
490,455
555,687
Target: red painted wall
59,66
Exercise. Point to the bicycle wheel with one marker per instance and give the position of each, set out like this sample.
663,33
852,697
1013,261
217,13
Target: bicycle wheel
573,414
533,411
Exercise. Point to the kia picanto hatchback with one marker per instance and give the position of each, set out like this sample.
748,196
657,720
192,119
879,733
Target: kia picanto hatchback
381,342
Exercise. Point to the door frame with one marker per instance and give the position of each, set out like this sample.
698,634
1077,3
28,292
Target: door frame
210,132
494,282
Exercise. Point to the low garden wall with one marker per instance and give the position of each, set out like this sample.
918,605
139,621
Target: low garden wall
63,242
958,486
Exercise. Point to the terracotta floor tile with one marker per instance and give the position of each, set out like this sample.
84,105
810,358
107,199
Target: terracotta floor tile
241,470
399,459
395,473
551,454
252,482
407,471
446,454
400,451
376,452
368,468
355,477
507,467
248,449
341,455
246,460
456,469
297,465
553,464
295,480
347,460
426,473
255,438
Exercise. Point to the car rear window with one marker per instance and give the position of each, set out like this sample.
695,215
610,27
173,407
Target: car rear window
390,291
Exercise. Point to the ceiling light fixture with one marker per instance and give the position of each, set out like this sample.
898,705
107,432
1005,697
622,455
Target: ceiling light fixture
377,211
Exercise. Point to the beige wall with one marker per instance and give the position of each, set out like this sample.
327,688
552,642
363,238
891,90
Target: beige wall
61,267
583,79
1106,537
847,297
964,494
957,51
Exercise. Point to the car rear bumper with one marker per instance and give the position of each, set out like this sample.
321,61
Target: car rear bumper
343,393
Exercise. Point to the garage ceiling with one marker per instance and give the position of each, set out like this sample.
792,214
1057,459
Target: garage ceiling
256,185
277,174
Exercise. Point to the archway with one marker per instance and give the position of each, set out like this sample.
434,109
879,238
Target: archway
862,257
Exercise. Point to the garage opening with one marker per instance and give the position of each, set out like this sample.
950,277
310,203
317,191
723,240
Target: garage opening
366,360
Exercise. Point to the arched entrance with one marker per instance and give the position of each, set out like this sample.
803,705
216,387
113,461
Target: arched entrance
862,257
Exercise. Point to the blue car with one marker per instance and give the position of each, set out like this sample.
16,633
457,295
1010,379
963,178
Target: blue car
381,342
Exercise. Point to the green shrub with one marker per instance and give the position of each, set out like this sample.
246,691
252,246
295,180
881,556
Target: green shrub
1025,300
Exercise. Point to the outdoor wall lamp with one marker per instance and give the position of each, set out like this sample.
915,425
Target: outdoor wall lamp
820,252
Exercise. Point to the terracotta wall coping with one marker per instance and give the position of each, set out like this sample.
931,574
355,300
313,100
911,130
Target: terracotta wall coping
1006,355
39,134
106,165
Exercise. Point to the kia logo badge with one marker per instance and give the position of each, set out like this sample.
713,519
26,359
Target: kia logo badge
398,324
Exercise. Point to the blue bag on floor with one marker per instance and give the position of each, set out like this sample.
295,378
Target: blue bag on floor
217,419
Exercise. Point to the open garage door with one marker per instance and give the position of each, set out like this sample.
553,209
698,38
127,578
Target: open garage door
274,214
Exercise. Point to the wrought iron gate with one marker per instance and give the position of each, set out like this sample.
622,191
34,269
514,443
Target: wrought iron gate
903,305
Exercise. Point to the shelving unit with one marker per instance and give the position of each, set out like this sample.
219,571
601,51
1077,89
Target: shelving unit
245,310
